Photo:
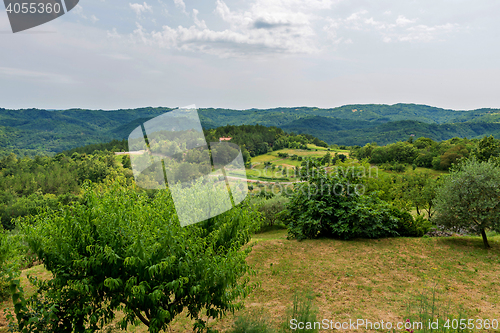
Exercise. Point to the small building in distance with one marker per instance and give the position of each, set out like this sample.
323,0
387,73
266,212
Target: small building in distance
224,139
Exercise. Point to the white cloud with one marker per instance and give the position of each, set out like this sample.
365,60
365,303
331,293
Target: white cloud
200,24
402,29
139,9
180,4
426,33
78,10
402,21
266,26
113,34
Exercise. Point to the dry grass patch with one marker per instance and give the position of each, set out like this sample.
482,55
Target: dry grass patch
374,279
368,279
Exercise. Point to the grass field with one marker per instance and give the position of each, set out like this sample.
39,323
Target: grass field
258,171
366,279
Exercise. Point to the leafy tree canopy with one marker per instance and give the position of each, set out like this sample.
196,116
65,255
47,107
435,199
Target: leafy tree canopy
469,198
120,249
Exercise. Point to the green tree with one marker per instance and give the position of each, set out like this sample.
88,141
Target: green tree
120,249
327,159
452,156
469,199
487,147
419,188
126,162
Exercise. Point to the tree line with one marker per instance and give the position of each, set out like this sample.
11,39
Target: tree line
427,153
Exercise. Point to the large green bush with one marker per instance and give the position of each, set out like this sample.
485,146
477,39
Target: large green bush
120,249
334,205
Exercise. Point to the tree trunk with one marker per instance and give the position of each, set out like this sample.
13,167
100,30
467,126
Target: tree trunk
485,240
429,211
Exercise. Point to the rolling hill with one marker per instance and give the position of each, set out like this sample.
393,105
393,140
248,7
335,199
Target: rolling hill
48,132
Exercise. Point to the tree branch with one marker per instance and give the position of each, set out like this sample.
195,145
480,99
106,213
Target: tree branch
137,313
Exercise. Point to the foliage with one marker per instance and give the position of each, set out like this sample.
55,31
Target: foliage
112,146
487,148
419,188
4,254
394,166
258,140
469,197
411,227
33,130
270,207
13,256
122,249
30,184
334,205
423,152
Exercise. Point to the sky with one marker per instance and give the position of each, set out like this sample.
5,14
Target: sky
111,54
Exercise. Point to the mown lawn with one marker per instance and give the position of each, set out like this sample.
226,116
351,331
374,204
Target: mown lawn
367,279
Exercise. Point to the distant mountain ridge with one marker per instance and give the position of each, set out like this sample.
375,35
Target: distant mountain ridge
53,131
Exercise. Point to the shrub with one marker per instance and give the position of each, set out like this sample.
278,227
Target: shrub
372,217
339,211
394,166
28,205
409,226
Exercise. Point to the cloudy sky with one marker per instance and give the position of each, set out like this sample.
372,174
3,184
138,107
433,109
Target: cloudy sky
108,54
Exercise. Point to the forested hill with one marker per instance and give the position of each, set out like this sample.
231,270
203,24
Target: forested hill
42,131
351,133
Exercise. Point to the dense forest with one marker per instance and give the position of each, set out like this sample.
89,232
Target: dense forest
29,184
351,132
33,131
258,139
